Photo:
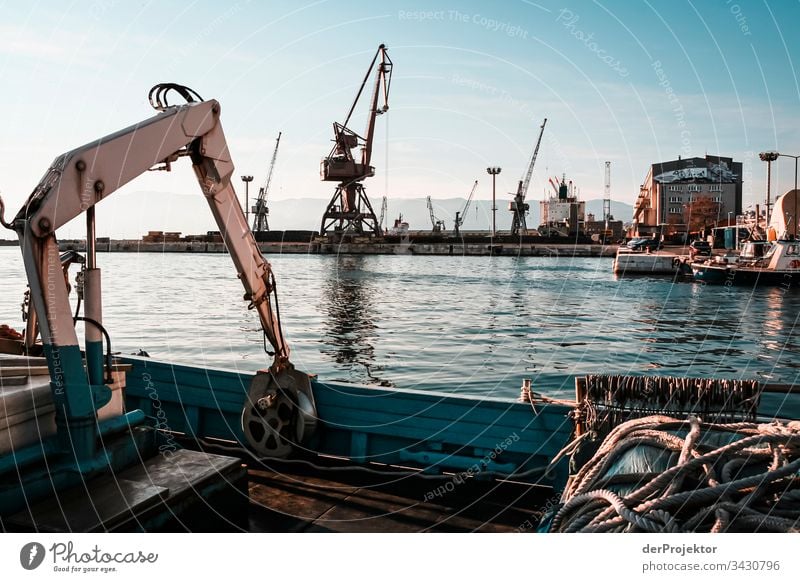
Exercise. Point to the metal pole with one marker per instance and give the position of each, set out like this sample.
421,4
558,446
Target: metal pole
769,188
494,204
93,304
247,180
91,253
493,171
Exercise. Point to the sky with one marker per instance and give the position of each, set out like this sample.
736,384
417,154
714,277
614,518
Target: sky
629,82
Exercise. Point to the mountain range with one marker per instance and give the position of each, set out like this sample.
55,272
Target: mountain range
133,214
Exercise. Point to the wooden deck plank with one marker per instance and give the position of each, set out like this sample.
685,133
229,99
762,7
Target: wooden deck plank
346,501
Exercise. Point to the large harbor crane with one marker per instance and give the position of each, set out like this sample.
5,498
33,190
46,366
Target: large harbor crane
260,208
460,216
349,210
518,206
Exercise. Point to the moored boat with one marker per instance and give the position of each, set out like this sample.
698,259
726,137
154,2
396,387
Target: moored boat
780,265
761,262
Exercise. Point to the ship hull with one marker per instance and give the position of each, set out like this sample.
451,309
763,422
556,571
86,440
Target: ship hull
732,275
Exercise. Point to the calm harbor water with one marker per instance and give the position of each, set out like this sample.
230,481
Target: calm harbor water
471,325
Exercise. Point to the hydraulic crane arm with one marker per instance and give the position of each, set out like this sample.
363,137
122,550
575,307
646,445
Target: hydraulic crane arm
80,178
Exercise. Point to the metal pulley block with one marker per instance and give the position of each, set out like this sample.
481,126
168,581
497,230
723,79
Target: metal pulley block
279,414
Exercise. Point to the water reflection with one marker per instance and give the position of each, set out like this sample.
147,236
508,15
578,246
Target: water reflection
349,330
473,326
778,338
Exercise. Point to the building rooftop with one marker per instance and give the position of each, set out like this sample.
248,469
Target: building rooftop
711,169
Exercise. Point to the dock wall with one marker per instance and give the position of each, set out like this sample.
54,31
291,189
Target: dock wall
360,248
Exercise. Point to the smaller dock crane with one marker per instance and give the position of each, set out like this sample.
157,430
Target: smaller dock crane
438,225
518,206
384,208
260,209
460,216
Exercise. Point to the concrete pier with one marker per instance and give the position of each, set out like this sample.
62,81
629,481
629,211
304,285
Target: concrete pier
628,262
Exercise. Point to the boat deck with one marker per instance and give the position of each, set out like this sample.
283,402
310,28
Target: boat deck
292,498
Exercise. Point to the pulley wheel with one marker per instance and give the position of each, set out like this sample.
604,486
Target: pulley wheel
268,425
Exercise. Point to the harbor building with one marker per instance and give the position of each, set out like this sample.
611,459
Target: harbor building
688,195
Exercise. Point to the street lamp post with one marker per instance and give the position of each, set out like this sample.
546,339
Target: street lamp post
768,157
493,171
247,180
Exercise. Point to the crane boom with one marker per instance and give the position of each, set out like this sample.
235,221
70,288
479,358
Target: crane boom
260,208
383,81
518,206
460,216
529,174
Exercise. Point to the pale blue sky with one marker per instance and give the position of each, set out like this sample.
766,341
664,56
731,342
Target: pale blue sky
472,82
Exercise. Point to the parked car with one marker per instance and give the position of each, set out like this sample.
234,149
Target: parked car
642,244
699,248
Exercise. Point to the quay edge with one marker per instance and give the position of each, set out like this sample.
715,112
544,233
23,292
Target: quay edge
358,248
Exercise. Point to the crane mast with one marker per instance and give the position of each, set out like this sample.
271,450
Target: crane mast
518,206
260,208
460,216
349,210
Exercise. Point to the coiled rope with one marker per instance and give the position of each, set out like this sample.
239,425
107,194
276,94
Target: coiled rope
749,484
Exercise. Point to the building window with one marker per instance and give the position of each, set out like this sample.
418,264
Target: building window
693,188
675,210
717,198
675,188
675,199
715,188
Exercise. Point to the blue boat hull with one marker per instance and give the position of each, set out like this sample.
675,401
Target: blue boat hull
431,431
